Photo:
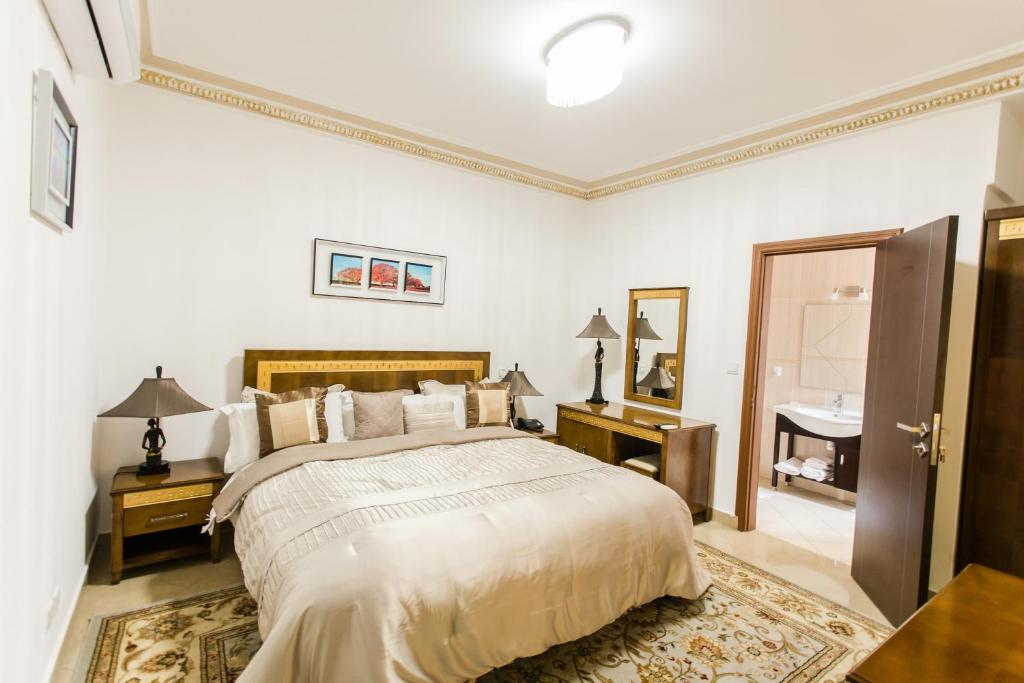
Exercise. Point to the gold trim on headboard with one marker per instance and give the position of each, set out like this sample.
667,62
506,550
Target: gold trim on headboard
266,369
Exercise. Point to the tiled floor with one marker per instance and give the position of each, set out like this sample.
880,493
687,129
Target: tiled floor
189,577
808,520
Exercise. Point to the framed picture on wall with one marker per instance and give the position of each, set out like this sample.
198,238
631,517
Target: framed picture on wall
358,271
54,151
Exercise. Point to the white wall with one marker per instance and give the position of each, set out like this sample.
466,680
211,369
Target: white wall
209,247
700,231
47,360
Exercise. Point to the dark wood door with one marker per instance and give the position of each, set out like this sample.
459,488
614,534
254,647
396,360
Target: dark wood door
992,511
903,404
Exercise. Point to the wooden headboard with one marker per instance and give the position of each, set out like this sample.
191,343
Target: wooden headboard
282,370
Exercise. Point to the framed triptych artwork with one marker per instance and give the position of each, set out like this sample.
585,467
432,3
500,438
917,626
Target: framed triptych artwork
358,271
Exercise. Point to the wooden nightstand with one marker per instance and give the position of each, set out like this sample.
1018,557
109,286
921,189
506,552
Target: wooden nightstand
543,435
158,517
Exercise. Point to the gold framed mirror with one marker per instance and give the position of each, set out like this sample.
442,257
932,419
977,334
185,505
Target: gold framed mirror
656,335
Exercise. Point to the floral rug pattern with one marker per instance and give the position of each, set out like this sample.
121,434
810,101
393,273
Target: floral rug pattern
749,626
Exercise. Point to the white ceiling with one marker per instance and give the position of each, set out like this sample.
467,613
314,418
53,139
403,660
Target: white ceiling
471,72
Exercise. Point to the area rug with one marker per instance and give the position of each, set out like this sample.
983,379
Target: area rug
749,626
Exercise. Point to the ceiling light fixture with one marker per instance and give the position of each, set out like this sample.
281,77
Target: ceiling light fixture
585,61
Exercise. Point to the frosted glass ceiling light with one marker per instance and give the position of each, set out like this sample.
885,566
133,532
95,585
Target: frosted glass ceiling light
585,62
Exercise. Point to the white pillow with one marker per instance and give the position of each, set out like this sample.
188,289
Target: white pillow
249,394
431,387
458,404
341,417
244,439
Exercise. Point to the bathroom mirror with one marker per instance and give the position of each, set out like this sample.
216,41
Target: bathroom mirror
834,346
656,338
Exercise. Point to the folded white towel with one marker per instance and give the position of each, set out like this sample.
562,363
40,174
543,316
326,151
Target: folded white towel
815,474
818,463
791,466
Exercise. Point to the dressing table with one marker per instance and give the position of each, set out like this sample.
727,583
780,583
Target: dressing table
614,432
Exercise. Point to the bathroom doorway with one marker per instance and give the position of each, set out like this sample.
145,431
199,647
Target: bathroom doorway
814,351
805,369
894,472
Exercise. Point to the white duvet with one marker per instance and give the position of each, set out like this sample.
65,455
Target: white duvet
445,559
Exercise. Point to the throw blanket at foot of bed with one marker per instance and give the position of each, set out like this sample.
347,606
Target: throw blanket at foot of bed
440,562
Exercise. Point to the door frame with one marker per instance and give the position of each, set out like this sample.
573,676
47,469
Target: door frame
749,452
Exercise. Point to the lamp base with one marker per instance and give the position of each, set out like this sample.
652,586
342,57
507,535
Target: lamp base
597,397
154,467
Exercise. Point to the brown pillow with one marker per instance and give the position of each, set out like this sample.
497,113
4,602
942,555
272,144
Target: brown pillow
291,418
378,413
486,404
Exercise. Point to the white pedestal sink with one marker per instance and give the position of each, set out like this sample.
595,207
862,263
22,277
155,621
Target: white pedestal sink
827,422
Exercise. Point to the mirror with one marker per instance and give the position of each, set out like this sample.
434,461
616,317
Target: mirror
834,347
656,337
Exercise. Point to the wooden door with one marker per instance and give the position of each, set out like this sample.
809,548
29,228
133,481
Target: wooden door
902,411
992,511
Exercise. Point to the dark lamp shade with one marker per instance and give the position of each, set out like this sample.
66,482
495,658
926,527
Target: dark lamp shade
657,378
642,329
598,329
157,397
519,385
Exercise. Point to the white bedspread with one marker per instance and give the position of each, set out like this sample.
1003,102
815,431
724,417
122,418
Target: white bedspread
442,562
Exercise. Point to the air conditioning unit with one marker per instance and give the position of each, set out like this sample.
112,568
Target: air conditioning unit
100,37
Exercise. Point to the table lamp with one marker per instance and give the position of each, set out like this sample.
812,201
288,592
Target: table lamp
518,385
598,329
156,398
658,380
641,330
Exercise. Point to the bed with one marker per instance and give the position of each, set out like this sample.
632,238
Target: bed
439,555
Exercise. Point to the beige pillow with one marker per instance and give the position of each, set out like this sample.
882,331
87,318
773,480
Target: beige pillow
290,418
486,404
422,417
378,413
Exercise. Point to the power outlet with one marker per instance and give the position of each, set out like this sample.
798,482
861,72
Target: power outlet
51,607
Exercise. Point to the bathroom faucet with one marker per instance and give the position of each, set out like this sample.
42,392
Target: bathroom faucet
838,403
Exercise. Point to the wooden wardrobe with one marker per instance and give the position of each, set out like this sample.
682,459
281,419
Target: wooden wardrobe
992,506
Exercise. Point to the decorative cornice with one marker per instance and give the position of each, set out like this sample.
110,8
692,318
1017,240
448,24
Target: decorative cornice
1000,85
327,125
819,134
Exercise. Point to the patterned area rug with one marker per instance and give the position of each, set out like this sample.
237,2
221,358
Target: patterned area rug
749,626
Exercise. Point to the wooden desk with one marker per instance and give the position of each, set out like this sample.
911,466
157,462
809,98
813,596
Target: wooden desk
970,631
615,432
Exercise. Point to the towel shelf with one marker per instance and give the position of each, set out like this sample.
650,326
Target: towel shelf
847,460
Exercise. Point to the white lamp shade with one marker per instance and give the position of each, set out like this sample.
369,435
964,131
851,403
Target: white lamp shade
586,64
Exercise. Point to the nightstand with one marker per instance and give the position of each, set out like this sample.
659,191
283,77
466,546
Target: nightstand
158,517
543,435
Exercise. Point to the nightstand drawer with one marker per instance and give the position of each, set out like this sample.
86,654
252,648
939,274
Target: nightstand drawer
170,515
151,496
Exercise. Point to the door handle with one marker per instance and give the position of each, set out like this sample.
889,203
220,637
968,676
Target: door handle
922,430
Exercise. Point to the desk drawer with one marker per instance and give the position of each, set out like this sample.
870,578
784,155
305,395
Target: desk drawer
170,515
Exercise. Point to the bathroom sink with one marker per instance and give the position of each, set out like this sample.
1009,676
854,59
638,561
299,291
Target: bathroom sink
822,420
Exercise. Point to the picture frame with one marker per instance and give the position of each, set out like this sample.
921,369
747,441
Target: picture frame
54,154
359,271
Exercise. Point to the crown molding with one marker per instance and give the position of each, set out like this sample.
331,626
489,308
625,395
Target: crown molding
995,78
739,154
324,124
